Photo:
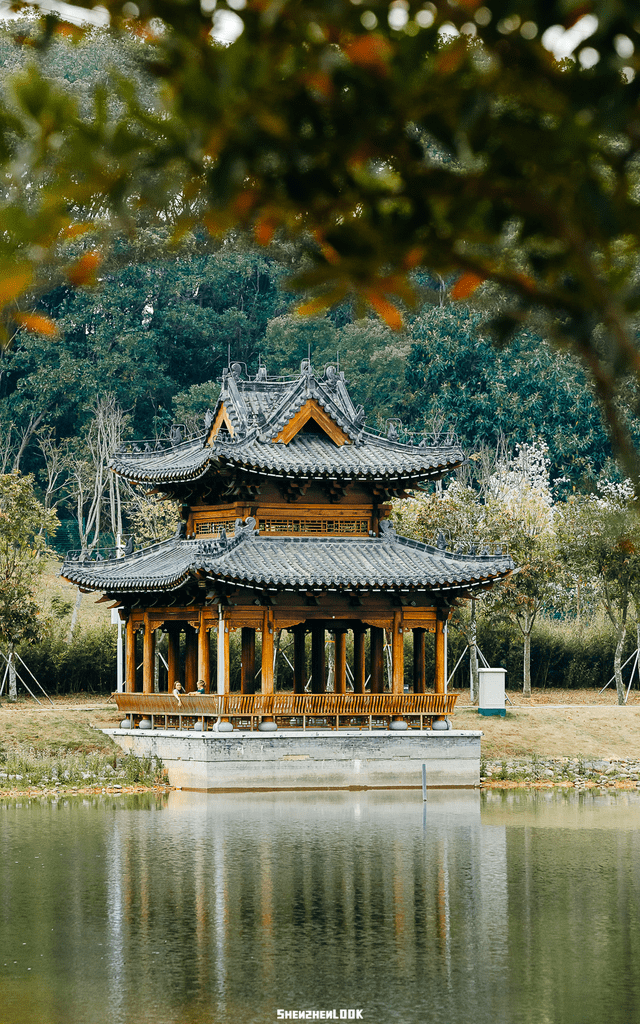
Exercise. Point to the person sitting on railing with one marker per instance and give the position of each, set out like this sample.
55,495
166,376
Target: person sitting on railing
177,690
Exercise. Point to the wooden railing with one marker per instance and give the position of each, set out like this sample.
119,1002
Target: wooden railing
289,709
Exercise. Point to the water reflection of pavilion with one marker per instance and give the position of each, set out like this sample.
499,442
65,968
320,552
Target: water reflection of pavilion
310,901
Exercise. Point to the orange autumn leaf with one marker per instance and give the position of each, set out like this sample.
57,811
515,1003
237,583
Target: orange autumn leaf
38,323
73,230
451,58
372,52
84,271
385,310
264,231
244,202
319,82
413,257
466,285
14,283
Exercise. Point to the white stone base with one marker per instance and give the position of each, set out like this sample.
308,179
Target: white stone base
322,759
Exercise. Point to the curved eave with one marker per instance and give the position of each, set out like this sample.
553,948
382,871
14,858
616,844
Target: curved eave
294,564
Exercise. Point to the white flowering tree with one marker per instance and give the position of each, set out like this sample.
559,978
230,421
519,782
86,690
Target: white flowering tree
512,503
520,485
601,539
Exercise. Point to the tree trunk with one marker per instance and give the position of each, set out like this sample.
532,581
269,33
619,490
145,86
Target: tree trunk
74,615
617,663
526,627
473,654
13,687
526,668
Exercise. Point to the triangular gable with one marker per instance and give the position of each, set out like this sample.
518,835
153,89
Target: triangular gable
221,420
312,410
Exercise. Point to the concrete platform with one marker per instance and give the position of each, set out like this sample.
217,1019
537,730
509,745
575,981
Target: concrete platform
319,759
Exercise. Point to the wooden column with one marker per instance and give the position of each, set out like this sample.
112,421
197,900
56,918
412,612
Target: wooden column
299,659
318,679
248,670
204,668
419,672
225,652
173,656
148,644
130,654
377,655
439,683
190,659
267,652
358,660
340,681
397,654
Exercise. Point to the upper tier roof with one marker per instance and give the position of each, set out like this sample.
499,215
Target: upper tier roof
385,562
262,425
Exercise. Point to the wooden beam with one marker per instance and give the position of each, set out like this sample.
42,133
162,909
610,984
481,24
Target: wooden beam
419,671
248,670
299,659
312,410
318,679
377,655
340,684
359,636
221,420
397,654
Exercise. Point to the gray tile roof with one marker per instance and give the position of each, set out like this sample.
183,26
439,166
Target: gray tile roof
294,563
307,455
259,410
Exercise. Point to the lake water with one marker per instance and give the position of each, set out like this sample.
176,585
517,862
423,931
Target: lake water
482,908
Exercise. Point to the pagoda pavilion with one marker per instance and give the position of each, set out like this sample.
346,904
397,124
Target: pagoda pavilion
284,525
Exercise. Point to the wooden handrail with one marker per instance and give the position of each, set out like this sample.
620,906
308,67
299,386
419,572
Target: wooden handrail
294,705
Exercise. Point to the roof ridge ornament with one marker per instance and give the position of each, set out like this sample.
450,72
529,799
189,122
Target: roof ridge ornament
245,527
387,530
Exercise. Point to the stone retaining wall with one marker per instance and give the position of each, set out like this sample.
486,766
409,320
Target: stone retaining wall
348,759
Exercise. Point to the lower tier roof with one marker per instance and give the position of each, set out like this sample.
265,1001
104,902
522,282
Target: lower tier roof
289,563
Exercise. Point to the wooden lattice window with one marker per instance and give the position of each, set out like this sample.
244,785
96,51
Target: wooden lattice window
317,527
210,529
